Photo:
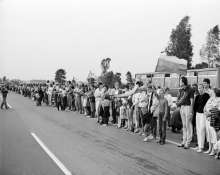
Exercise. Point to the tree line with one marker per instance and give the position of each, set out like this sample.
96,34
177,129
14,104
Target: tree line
179,45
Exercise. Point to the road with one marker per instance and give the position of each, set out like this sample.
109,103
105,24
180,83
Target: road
84,147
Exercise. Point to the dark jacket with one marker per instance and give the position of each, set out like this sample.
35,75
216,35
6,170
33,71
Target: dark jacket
4,92
184,96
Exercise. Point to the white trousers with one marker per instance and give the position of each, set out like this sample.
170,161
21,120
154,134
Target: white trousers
49,99
211,133
187,124
97,107
200,129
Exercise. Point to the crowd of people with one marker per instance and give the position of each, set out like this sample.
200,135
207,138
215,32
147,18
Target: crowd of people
141,108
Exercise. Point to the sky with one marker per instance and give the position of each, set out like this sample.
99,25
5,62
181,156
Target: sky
37,37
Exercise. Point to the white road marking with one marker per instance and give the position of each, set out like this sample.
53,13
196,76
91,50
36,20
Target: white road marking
174,143
51,155
170,141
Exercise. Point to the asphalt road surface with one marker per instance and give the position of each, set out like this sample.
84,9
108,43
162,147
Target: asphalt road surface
79,146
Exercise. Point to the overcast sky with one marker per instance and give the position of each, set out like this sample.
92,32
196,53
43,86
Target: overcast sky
39,36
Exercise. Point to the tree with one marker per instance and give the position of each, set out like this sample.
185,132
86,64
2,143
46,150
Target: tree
210,51
129,78
74,80
105,65
4,79
108,79
117,77
60,76
91,78
180,44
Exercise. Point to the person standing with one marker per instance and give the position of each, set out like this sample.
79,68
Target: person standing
195,92
105,106
49,93
98,98
136,114
4,92
163,113
116,103
169,98
207,86
149,123
78,94
143,103
185,102
91,99
40,96
155,111
200,102
209,110
70,98
58,99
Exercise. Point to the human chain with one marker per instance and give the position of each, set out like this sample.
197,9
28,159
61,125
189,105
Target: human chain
142,109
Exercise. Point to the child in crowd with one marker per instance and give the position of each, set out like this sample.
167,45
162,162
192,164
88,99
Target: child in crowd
123,114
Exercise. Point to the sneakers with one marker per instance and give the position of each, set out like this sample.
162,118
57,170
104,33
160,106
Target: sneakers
145,139
181,145
150,137
207,152
143,134
196,148
136,131
186,147
199,150
217,157
212,153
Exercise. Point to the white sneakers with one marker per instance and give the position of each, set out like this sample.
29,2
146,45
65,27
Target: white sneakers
145,139
199,150
207,152
150,137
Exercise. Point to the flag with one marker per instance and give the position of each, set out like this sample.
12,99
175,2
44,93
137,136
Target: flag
171,64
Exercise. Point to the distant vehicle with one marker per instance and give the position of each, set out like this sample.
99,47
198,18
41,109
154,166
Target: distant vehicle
172,80
197,76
